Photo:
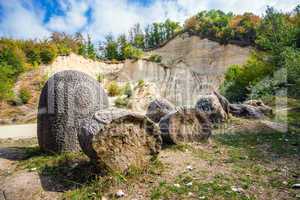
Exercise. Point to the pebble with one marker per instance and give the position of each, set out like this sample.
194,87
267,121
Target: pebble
236,189
202,197
189,167
189,184
177,185
284,182
190,194
120,193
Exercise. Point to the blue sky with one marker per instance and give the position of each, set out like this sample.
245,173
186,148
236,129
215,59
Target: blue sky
38,18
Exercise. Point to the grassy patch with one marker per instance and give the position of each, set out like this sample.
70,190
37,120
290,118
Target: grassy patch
188,187
253,145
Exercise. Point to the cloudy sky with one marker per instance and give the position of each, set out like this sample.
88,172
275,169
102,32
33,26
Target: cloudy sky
38,18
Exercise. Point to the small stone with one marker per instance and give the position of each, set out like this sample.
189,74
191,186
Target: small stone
189,184
120,194
189,167
74,165
284,182
190,194
33,169
202,197
236,189
177,185
296,186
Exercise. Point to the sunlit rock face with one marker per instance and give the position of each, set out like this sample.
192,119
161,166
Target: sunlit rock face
190,67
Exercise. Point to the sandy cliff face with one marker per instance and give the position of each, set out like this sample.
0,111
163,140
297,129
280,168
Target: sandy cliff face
190,66
79,63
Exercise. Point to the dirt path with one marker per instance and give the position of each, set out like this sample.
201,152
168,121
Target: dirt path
18,131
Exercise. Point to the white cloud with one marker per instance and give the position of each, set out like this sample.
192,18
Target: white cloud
19,22
117,16
74,17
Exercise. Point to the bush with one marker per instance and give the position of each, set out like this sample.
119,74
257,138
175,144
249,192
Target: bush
48,54
100,77
114,89
141,83
24,95
33,57
128,90
14,58
155,58
6,83
121,102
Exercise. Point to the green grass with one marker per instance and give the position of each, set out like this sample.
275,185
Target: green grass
219,187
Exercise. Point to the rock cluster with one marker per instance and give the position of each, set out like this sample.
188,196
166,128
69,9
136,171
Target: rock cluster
74,115
250,109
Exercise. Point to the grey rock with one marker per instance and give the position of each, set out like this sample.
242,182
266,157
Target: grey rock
266,110
68,99
185,125
158,109
212,107
255,109
116,139
242,110
224,102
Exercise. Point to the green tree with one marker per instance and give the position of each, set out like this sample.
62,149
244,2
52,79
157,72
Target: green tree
109,48
90,50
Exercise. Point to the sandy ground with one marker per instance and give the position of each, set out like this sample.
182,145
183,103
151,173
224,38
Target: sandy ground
18,131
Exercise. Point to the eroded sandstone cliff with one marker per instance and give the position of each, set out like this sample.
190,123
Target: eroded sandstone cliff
190,66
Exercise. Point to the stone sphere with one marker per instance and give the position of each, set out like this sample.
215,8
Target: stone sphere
158,108
68,99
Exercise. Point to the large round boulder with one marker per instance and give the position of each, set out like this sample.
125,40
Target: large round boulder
68,99
185,125
158,109
117,139
212,107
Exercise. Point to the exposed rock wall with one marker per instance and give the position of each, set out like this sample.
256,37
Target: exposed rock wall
190,67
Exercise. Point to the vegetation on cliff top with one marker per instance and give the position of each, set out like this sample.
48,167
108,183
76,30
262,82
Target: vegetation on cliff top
275,68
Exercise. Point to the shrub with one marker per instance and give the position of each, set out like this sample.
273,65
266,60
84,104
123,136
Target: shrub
141,83
121,102
128,90
33,56
114,89
24,95
48,54
14,58
6,83
155,58
100,77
